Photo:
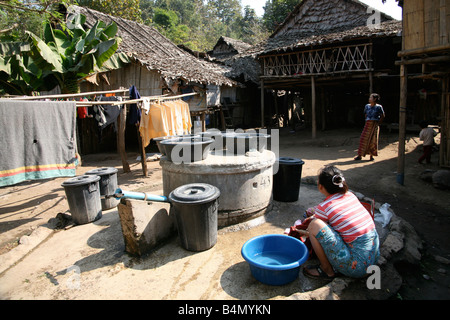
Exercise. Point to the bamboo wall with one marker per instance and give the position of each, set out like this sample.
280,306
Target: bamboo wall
426,23
147,82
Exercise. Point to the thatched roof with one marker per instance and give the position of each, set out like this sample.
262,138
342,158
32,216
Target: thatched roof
246,65
150,48
291,42
226,47
315,23
313,17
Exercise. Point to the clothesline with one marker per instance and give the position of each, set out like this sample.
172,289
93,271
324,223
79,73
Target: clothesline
134,101
70,95
114,103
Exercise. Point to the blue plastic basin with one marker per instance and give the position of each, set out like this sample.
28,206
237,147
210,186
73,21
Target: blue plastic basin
274,259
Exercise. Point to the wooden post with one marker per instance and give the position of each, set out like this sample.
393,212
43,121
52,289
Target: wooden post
323,106
313,106
444,150
262,103
402,125
122,121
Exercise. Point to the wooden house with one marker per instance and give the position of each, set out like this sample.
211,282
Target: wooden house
237,102
329,55
158,67
424,62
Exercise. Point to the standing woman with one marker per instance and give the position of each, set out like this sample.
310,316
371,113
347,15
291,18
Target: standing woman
374,114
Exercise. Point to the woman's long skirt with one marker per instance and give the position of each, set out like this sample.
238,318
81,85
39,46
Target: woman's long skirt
368,143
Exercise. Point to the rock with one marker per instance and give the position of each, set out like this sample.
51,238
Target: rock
61,221
145,225
427,175
441,179
412,242
442,259
392,244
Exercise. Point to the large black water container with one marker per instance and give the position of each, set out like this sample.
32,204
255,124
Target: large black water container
108,185
286,182
83,196
195,207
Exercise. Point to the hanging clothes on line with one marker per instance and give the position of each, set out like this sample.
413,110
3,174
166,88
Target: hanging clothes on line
82,111
134,113
164,119
153,122
38,140
107,114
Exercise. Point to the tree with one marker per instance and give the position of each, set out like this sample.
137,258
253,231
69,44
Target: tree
251,27
127,9
16,17
61,58
275,11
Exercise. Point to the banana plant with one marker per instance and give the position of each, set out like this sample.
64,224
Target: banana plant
61,57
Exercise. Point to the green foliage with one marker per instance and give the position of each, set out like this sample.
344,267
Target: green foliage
127,9
201,23
275,11
18,16
60,57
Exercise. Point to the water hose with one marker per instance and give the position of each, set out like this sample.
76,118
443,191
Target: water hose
119,193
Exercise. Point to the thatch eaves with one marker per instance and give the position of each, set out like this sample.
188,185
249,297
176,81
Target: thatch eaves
246,63
227,47
290,42
147,46
314,23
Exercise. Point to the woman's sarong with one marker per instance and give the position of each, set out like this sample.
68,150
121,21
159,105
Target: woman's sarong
368,143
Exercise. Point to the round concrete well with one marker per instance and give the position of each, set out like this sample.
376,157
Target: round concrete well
244,181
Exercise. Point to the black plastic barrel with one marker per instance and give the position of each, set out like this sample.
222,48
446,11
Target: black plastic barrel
108,185
83,196
286,182
195,207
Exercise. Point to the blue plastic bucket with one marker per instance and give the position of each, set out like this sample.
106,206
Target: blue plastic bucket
274,259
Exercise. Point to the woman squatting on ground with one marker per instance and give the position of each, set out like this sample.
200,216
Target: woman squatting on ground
342,232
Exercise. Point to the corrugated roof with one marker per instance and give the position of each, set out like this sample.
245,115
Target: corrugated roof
150,48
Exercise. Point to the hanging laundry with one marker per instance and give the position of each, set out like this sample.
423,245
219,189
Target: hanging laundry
153,123
187,122
107,114
134,114
82,111
170,117
38,140
177,117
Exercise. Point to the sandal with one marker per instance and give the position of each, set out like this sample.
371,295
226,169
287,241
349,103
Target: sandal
322,275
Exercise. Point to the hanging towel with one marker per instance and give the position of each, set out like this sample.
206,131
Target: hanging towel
37,140
186,115
153,124
170,118
134,114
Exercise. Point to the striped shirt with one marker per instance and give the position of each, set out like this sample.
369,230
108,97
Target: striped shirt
346,215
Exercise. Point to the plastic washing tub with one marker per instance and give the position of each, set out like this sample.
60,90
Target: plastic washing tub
274,259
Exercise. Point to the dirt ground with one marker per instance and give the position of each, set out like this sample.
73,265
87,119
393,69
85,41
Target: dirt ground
25,206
